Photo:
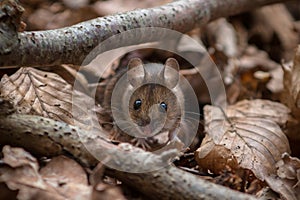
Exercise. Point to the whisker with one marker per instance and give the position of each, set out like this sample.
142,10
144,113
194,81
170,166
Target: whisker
193,114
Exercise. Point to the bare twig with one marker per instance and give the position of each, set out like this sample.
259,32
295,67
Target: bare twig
72,44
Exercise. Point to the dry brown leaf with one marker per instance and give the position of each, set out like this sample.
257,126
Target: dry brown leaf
37,92
250,131
214,157
21,173
62,170
67,177
61,178
288,170
17,157
32,91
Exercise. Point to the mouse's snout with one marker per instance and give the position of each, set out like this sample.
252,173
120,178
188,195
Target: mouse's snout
143,121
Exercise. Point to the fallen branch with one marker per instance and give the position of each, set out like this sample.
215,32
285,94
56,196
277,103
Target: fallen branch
73,44
48,137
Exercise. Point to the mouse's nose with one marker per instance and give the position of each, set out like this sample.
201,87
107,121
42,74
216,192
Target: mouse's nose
144,121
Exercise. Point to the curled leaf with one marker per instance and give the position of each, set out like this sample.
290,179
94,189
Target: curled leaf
289,168
287,180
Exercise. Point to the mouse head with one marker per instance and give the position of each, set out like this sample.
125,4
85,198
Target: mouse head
153,106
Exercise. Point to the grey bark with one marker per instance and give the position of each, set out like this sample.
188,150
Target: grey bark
71,45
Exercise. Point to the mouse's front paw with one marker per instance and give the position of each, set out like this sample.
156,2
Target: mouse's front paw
141,142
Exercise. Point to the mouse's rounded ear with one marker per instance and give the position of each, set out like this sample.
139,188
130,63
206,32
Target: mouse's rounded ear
171,73
135,71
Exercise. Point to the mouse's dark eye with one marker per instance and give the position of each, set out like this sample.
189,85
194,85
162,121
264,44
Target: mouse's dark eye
137,104
164,106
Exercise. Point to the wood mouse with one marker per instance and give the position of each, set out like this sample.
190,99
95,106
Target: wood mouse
146,102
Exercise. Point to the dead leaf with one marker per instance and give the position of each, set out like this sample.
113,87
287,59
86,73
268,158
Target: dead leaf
21,173
32,91
61,178
287,180
17,157
250,130
67,177
214,157
36,92
289,168
62,169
